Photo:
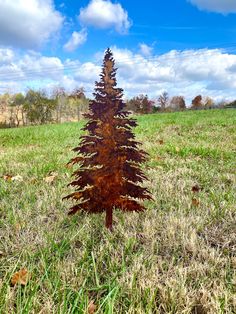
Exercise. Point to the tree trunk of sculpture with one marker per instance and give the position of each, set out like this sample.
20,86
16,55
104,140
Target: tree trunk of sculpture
109,218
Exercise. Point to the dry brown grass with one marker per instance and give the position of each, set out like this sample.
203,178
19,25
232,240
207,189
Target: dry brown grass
177,257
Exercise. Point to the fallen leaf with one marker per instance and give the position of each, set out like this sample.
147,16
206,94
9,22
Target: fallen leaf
195,202
21,277
92,307
159,158
51,178
7,177
17,178
161,142
196,188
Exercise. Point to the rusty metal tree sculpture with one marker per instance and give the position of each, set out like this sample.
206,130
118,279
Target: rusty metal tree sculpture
108,155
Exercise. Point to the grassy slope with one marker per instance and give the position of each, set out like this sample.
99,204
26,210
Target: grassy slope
173,258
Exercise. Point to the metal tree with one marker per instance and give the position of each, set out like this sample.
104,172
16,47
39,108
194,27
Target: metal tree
108,155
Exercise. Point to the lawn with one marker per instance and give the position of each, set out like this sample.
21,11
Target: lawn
179,256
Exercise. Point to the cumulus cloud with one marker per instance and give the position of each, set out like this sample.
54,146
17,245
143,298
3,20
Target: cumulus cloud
77,39
87,72
219,6
189,73
105,14
145,49
36,65
31,66
28,24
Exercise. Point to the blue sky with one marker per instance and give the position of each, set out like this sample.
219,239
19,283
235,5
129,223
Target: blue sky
165,25
184,47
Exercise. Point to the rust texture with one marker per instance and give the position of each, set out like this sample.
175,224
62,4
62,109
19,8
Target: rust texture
109,158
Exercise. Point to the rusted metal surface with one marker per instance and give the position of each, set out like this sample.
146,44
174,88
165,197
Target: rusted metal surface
108,155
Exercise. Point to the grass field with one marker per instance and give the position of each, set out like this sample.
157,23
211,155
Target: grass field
179,256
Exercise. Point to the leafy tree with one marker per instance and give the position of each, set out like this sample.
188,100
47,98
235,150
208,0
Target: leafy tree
197,102
39,108
109,157
177,103
229,105
140,104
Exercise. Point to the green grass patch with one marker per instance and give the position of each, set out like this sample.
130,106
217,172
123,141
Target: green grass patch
179,256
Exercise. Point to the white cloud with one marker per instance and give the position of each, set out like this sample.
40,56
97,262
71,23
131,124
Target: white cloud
188,73
6,56
88,72
76,40
28,24
219,6
105,14
39,66
145,49
29,67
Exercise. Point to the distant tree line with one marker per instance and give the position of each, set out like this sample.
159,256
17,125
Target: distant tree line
164,103
39,107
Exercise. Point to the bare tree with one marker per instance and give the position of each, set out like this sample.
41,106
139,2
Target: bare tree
18,112
59,94
80,101
5,114
163,100
208,102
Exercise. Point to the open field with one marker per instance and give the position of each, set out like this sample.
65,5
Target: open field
179,256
